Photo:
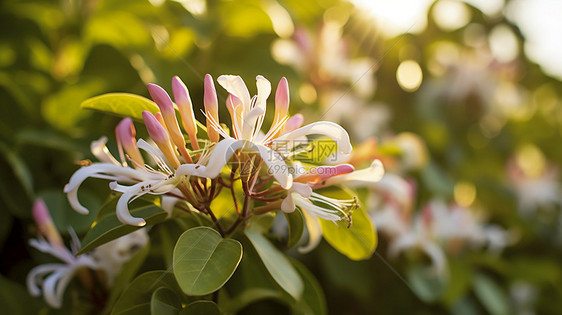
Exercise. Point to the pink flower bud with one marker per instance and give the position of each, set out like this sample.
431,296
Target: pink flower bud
166,106
183,100
158,133
211,107
282,99
155,130
125,134
45,222
161,98
294,122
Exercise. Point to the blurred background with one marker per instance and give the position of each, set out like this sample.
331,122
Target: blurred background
461,100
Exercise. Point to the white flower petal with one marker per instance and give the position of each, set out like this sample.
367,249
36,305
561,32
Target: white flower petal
302,189
365,177
236,86
277,166
314,233
101,152
315,210
168,203
52,292
326,128
32,277
99,170
288,204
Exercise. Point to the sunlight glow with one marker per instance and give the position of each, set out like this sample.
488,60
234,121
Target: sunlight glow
503,43
398,16
450,15
409,75
465,194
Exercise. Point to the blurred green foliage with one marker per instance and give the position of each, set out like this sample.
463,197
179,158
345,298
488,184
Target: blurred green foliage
56,54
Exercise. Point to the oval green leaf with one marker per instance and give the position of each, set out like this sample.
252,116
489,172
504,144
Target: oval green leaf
204,261
201,308
109,227
138,294
121,104
165,302
277,264
356,242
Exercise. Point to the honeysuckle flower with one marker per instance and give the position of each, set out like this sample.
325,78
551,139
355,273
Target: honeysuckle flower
315,205
178,173
541,190
420,235
247,115
52,279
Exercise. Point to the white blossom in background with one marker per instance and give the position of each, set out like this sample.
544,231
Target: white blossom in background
52,279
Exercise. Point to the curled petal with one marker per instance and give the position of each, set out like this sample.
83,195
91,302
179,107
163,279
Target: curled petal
236,86
37,272
101,152
365,177
326,128
99,170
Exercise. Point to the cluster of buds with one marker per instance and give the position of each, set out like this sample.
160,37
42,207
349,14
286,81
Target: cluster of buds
193,171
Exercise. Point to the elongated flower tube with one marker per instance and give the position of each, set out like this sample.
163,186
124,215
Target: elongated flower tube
166,106
181,96
125,134
160,136
211,108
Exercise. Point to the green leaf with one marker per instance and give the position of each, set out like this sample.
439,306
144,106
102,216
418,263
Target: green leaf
201,308
204,261
312,300
250,283
356,242
165,302
139,293
277,264
64,216
16,187
121,104
15,299
109,227
490,295
127,273
295,221
427,285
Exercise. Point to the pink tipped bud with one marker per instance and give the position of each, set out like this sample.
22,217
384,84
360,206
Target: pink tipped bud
45,222
282,99
161,98
166,106
158,133
155,130
183,100
294,122
211,107
125,133
321,173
